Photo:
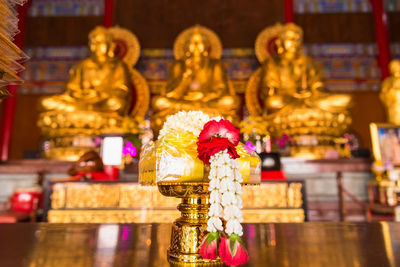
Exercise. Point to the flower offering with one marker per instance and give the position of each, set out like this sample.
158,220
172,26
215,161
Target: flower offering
193,148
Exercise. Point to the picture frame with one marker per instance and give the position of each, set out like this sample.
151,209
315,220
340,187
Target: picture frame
385,139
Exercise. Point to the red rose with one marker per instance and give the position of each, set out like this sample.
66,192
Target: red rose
222,128
232,251
209,247
207,149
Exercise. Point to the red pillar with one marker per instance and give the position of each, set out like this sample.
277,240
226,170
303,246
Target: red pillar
289,11
381,36
10,102
108,13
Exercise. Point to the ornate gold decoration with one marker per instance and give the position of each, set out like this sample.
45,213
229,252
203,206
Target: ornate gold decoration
252,89
157,86
81,195
390,95
180,43
142,95
189,230
149,215
128,43
197,79
112,216
383,153
98,96
289,97
264,44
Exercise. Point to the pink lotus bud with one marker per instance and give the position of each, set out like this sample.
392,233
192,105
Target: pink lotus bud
232,251
209,247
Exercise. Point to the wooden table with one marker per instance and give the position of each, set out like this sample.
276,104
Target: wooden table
302,244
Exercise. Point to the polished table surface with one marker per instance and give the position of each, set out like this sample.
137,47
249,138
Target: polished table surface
303,244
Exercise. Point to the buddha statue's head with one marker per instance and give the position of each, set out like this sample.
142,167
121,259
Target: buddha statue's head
394,68
197,45
100,43
290,41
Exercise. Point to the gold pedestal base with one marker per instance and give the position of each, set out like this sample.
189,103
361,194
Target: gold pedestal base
309,152
68,148
189,230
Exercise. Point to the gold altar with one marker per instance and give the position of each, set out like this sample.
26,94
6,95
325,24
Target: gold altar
104,95
84,202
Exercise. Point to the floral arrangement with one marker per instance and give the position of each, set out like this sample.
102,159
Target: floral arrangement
216,146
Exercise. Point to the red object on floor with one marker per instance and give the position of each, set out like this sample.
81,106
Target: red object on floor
112,172
26,200
273,175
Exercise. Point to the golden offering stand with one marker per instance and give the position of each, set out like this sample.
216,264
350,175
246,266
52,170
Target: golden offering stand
189,230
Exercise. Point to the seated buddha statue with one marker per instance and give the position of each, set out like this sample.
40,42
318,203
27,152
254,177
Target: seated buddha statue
197,79
390,93
100,96
288,91
98,83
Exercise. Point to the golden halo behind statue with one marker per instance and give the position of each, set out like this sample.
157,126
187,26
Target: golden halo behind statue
213,39
127,46
265,45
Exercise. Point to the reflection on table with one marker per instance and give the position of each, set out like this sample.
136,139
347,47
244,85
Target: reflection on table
302,244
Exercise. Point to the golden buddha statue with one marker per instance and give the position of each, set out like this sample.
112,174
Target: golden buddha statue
390,93
197,79
104,94
288,91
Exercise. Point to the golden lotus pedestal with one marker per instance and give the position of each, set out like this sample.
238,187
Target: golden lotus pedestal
69,135
189,230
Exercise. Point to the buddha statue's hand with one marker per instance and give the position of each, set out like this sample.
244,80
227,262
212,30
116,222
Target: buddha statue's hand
188,73
74,93
302,93
90,96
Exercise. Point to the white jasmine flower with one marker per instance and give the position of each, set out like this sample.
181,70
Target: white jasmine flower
239,202
215,210
215,197
214,224
234,227
237,188
214,185
228,198
227,185
232,212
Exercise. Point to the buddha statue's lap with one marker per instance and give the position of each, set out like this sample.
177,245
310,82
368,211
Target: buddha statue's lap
197,80
94,86
289,92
